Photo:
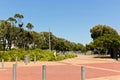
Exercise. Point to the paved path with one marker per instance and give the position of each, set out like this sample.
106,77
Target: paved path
96,69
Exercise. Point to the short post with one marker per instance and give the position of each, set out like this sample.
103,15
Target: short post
34,59
14,72
82,73
26,59
2,64
43,72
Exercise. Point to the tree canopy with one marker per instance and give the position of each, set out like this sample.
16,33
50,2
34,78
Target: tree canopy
11,34
100,30
106,39
29,26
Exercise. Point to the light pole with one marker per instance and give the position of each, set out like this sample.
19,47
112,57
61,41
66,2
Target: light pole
49,37
49,40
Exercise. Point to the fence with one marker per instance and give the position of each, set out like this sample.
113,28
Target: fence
14,70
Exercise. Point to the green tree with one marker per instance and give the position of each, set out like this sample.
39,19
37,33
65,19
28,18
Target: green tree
109,43
29,35
105,38
19,18
13,21
100,30
90,46
2,34
29,26
6,33
61,45
75,46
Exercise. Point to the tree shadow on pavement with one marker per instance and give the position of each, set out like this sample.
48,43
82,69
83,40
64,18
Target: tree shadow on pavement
102,56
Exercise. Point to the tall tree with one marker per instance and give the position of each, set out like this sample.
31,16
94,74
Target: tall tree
12,20
29,26
19,18
6,32
110,43
100,30
104,38
61,45
2,34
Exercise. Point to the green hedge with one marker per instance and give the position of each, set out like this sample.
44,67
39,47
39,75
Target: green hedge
41,55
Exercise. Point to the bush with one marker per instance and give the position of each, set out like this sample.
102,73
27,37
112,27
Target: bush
70,55
41,55
60,57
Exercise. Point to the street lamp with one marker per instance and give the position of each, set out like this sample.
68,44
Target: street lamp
49,41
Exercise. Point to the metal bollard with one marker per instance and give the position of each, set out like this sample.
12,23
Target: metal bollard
43,72
14,72
82,73
2,64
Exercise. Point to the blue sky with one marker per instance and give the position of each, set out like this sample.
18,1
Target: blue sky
69,19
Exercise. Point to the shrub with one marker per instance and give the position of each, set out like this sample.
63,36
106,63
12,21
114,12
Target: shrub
60,57
70,55
41,55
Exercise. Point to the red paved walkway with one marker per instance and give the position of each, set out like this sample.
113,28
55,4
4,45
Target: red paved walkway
64,72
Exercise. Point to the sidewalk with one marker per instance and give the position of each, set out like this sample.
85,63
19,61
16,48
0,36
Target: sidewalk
96,68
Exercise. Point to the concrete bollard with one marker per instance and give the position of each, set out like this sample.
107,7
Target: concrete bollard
14,72
16,61
27,59
82,73
34,59
2,64
43,72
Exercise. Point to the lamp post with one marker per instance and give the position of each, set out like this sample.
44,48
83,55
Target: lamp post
49,41
49,38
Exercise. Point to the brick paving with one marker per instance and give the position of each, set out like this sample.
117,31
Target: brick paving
96,69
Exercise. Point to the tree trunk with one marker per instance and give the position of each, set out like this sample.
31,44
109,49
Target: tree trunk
113,53
110,52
